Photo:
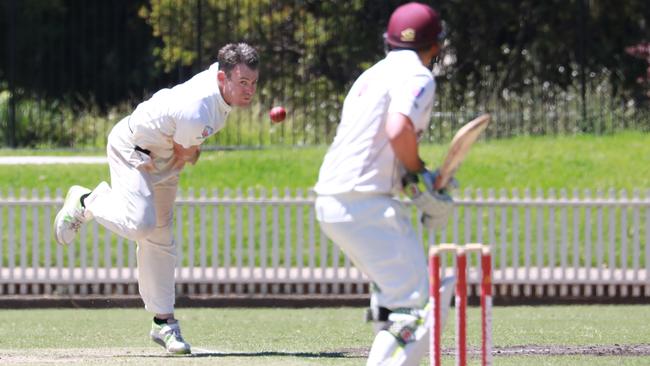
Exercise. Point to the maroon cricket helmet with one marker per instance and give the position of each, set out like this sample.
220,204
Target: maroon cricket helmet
413,25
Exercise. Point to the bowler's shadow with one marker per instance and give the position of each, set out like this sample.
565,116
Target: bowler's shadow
208,353
272,354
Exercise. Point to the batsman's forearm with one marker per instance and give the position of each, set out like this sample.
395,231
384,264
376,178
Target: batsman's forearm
407,153
404,142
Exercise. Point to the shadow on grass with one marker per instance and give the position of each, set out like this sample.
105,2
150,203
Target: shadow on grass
198,353
274,353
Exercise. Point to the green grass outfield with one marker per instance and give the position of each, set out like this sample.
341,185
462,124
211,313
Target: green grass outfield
331,336
337,336
620,161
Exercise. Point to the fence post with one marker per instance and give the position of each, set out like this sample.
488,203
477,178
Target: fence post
584,9
11,72
199,33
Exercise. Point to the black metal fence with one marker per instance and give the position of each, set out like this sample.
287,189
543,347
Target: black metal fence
72,68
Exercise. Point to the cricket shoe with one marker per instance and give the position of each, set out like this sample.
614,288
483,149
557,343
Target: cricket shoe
169,336
71,216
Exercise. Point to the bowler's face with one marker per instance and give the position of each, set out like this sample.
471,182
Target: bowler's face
239,88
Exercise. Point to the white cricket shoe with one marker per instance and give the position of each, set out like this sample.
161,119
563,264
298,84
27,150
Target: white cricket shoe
71,216
169,336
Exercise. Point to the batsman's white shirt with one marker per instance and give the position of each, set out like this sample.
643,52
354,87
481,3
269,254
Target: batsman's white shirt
361,158
139,203
360,174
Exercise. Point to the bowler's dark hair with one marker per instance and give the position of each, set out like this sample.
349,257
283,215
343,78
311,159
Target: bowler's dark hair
234,54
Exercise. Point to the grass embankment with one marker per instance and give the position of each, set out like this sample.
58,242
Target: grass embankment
620,161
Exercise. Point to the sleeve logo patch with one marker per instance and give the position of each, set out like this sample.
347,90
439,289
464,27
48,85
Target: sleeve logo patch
207,131
418,92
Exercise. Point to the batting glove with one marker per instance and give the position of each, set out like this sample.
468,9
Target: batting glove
413,183
436,206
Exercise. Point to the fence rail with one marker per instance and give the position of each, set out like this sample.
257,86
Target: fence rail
544,243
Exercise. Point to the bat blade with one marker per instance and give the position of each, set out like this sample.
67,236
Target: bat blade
459,148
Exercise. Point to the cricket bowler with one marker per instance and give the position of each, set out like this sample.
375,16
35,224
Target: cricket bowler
375,148
146,152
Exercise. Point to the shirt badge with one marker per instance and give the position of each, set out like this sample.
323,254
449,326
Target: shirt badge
207,131
418,92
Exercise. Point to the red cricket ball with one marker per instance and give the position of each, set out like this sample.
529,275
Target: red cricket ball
278,114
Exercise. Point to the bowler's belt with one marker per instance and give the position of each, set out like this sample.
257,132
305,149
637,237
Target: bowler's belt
138,148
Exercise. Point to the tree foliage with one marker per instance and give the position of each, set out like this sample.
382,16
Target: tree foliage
79,52
509,44
491,46
104,51
642,51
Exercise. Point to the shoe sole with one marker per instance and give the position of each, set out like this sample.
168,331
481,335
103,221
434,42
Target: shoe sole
56,219
162,344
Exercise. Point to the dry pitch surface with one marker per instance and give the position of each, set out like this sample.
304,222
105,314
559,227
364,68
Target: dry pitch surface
145,355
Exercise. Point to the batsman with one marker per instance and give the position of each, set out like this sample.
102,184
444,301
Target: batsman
374,154
146,152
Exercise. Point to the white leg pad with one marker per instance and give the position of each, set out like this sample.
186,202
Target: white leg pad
387,351
383,348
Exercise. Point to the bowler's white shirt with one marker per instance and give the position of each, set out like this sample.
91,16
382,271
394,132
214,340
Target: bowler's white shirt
188,114
361,158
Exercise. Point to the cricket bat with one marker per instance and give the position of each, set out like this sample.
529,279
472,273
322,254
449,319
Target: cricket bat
459,148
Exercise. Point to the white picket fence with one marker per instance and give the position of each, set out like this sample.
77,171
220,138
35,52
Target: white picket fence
544,244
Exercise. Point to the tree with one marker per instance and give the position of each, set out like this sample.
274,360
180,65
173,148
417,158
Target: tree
509,44
310,50
75,50
642,51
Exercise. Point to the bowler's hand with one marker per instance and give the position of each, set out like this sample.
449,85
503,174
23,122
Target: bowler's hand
195,157
183,155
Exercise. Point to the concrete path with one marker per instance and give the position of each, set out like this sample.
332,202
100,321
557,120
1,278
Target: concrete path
21,160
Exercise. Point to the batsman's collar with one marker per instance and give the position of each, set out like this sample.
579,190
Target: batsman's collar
404,54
